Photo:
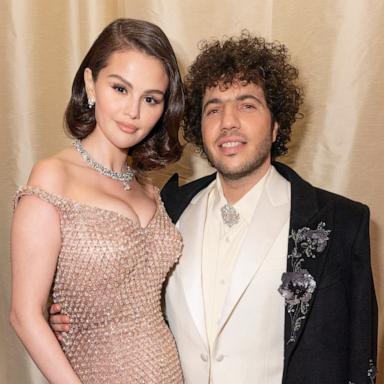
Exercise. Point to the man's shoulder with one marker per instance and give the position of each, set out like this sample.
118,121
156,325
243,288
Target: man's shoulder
302,189
348,213
339,200
177,197
172,186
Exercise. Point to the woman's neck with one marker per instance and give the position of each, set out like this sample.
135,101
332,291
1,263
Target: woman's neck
101,150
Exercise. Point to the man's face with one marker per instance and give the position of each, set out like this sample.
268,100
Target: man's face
237,129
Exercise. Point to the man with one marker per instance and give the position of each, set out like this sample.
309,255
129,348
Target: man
274,284
222,301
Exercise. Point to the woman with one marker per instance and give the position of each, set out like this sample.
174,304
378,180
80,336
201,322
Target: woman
92,230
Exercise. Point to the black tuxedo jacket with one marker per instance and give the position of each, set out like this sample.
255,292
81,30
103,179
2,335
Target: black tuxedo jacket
335,339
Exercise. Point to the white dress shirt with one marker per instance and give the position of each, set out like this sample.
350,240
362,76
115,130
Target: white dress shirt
221,245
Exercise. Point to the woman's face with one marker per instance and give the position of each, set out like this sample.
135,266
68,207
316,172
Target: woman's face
129,95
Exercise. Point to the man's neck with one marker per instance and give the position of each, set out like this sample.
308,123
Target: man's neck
234,190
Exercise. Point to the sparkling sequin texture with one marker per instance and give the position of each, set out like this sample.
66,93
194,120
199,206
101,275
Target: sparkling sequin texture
108,280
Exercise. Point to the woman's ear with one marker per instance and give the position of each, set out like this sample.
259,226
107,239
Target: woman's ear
89,84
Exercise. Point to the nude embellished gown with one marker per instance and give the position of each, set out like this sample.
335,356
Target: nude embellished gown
109,277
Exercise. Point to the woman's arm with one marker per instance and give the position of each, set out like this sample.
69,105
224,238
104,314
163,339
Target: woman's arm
35,245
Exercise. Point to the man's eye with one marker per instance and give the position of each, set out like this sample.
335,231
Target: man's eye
249,106
212,111
119,88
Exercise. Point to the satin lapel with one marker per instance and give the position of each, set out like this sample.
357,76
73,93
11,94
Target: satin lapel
191,226
270,216
305,212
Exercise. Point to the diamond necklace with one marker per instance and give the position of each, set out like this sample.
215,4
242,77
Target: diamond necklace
124,177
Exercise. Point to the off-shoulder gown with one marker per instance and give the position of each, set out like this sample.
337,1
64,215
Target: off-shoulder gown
109,278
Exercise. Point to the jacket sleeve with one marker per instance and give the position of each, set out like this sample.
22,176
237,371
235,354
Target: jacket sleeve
363,309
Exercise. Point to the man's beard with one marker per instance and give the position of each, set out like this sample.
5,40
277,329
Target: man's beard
248,167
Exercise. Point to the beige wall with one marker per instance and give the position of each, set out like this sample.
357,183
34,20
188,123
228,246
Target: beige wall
338,46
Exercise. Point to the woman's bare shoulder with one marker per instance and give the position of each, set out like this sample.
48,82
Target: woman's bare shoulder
52,173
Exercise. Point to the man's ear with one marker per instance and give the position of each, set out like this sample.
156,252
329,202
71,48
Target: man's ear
274,131
89,84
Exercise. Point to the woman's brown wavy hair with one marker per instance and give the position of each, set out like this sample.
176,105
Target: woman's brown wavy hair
162,145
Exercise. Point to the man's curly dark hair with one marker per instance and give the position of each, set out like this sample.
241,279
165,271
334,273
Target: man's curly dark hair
246,59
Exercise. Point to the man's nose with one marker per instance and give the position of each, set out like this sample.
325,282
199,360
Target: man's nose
230,119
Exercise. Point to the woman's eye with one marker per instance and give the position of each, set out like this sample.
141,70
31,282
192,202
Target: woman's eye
119,89
150,100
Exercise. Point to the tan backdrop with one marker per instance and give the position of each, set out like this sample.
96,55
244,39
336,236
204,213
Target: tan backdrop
338,46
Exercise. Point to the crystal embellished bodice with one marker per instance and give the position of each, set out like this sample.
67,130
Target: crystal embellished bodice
109,277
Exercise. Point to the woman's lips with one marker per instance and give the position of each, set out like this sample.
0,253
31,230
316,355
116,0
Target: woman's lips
128,128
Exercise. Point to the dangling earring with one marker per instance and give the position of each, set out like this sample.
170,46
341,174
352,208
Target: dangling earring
91,103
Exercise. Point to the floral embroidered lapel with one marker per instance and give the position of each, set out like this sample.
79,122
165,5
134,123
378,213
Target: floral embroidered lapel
298,285
306,215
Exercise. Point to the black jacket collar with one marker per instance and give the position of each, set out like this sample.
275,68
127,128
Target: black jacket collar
304,203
